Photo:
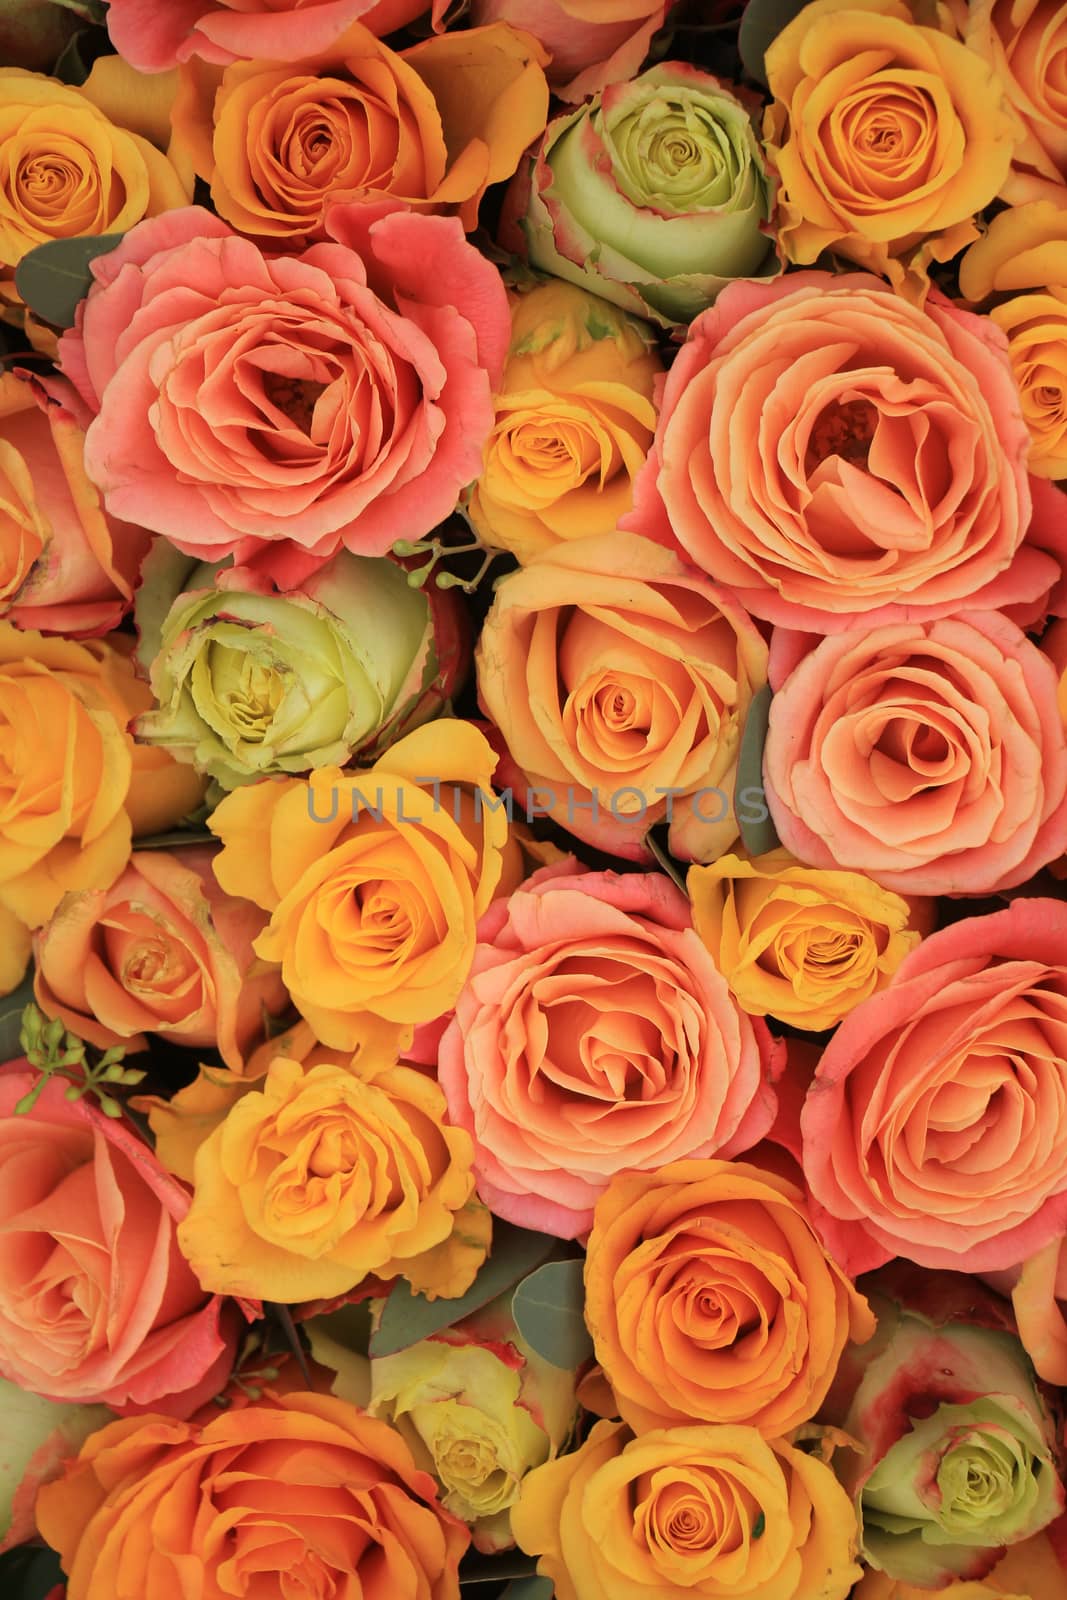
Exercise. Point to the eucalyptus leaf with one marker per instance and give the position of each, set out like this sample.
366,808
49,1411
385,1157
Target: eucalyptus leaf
549,1312
529,1589
75,61
408,1317
54,278
11,1009
761,24
750,803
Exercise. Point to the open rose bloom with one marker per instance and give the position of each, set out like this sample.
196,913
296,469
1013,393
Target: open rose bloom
533,799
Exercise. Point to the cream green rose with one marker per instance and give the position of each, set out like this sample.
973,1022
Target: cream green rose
251,682
654,195
480,1409
36,1437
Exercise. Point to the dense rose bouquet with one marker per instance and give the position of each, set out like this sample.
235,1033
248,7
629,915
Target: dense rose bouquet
533,799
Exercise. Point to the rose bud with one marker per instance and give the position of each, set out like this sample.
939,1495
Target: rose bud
251,682
654,195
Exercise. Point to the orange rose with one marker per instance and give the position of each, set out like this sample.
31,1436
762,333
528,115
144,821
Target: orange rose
321,1178
710,1297
1025,42
280,142
374,880
65,565
165,951
620,680
298,1494
888,137
76,789
709,1513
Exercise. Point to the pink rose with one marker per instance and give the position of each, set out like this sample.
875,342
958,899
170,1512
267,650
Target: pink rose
97,1303
153,35
65,566
837,455
341,396
595,1036
592,42
930,755
934,1126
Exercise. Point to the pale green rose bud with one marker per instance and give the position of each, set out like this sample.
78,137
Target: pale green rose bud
479,1409
36,1437
654,195
958,1455
251,682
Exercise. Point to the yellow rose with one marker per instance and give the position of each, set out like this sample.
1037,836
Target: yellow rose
374,880
797,943
69,171
1025,248
15,945
688,1513
320,1178
887,136
1025,42
1036,328
574,422
74,788
280,143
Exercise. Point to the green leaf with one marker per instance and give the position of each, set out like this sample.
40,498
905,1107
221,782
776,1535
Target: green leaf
174,839
29,1572
477,1568
759,1526
549,1312
75,61
407,1317
666,861
750,804
91,10
761,24
11,1008
529,1589
54,278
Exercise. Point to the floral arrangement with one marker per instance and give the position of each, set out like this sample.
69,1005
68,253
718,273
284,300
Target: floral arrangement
533,799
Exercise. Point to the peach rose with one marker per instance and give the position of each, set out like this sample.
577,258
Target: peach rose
710,1298
887,137
153,37
296,1494
65,566
591,42
799,944
931,756
245,400
1025,43
279,143
702,1513
76,787
96,1301
620,680
163,950
594,1034
835,454
933,1128
374,880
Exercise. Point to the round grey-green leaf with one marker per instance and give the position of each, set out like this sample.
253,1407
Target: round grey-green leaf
549,1312
54,278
